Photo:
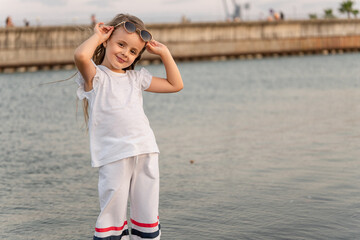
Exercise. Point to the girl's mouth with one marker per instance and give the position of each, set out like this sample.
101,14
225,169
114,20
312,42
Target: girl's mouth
120,60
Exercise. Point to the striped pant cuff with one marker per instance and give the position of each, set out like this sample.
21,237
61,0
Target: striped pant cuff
146,235
116,233
146,230
118,237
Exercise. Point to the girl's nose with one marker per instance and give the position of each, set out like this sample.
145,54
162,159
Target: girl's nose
124,52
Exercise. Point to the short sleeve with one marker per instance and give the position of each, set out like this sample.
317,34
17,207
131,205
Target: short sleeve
145,77
81,93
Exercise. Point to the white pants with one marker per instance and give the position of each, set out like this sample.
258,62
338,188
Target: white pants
139,177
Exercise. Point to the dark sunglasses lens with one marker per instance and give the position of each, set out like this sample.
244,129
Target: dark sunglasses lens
145,35
130,27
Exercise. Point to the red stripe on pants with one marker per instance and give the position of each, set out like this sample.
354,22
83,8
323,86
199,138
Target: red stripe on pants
111,228
147,225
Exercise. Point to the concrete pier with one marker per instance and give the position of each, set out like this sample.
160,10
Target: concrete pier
32,48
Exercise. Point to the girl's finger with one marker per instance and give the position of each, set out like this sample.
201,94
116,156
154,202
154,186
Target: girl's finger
106,29
152,43
110,30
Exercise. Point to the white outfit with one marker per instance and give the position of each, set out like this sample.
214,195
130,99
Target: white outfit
118,126
137,177
123,145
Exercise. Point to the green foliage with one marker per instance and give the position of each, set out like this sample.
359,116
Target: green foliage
328,14
355,12
347,7
313,16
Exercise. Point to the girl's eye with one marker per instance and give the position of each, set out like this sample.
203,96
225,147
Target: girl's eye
121,45
133,52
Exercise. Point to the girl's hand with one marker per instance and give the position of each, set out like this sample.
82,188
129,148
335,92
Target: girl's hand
173,81
103,31
156,48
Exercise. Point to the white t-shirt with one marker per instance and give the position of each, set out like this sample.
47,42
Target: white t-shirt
118,126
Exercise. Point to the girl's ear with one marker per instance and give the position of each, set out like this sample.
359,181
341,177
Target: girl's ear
104,44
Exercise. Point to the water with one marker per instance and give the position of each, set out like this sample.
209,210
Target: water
275,145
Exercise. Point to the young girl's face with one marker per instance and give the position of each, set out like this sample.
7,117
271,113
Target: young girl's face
122,48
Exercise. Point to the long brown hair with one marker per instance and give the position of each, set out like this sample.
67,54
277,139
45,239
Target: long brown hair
100,51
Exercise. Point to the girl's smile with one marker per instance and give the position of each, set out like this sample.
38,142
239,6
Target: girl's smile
120,60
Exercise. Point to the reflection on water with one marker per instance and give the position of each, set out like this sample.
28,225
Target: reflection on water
275,145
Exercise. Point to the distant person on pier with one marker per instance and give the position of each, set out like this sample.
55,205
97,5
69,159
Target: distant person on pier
275,16
9,22
282,16
270,18
93,20
26,22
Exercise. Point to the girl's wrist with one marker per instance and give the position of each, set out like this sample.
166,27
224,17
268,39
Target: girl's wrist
165,53
98,38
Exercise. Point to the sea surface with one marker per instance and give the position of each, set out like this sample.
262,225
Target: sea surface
275,146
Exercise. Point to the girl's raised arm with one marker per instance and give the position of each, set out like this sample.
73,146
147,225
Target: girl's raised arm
173,81
84,53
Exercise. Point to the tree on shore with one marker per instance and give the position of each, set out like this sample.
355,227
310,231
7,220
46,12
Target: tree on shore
313,16
328,14
355,12
347,7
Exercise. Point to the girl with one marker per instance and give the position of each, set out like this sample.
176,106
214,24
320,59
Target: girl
122,143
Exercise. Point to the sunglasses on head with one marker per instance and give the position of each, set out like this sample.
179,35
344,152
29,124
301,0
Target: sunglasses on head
131,28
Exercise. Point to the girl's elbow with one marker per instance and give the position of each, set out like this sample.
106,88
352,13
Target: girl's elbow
179,88
78,56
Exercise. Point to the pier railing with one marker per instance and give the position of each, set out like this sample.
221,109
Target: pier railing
32,48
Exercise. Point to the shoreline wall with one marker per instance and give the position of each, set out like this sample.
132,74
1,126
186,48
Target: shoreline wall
27,48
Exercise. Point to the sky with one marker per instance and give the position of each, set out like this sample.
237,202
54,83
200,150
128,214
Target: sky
68,12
